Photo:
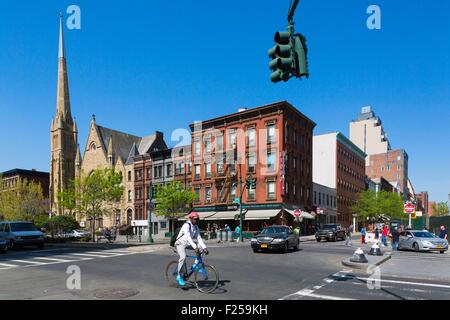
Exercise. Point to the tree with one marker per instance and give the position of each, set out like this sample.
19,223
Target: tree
173,201
95,195
440,209
67,199
378,206
59,224
23,202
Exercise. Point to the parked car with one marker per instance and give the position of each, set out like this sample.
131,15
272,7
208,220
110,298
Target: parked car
21,233
421,240
275,238
76,234
330,232
3,245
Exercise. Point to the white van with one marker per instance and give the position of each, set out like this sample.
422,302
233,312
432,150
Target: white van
21,233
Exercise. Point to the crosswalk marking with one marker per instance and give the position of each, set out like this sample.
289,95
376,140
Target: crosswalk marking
28,262
52,259
8,265
89,255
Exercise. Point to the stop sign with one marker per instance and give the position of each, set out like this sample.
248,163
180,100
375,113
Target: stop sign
298,213
409,208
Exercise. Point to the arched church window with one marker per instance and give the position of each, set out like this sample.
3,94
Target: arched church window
92,146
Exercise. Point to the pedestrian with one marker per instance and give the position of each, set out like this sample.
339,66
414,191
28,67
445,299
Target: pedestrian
363,235
443,234
114,233
297,230
237,233
384,235
227,227
377,234
395,239
348,239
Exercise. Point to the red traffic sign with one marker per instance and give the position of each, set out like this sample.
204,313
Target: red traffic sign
409,208
297,213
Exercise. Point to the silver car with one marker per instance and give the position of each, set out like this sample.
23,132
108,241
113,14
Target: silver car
3,245
421,240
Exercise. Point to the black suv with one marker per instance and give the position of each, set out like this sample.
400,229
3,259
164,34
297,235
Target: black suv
330,232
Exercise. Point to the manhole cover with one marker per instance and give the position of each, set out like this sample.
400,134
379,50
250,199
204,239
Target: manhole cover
115,293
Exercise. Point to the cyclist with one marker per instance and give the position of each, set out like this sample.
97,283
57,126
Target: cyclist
188,232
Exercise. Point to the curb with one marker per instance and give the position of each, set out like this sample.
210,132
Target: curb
357,265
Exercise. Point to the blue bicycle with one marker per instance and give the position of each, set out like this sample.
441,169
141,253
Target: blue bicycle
206,278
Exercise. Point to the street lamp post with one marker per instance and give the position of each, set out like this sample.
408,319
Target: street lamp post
150,205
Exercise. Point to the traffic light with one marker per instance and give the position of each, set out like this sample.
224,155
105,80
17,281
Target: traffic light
250,184
153,191
301,56
282,55
289,57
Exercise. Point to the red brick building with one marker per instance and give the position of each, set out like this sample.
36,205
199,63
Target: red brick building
11,177
422,202
272,144
392,166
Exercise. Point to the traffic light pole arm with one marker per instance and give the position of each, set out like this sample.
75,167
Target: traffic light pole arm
292,11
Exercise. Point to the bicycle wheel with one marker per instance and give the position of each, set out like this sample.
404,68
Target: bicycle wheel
171,273
206,279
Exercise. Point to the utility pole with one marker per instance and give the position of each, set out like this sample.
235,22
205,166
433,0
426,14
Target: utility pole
149,206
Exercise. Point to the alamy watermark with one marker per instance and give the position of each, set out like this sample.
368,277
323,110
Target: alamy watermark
74,280
73,21
374,19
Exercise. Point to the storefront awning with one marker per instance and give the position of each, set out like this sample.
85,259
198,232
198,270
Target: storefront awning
304,215
261,214
203,215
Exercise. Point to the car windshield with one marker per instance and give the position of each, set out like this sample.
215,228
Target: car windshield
274,230
23,227
424,234
329,226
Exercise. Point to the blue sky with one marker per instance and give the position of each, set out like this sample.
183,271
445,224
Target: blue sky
142,66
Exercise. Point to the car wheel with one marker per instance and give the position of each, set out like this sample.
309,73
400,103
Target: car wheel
334,239
12,245
286,247
255,250
441,252
416,247
318,240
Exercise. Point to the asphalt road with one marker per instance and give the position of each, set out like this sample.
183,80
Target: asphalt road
314,272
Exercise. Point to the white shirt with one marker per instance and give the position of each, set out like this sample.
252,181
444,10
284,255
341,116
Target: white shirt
187,233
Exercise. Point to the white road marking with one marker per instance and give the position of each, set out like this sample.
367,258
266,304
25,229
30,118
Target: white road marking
53,259
411,283
89,255
28,262
9,265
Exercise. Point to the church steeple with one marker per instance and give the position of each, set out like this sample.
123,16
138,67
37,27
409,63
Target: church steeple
65,160
63,98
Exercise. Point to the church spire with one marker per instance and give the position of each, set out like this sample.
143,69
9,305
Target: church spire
63,99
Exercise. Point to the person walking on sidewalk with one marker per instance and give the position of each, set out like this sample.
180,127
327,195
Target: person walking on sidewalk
363,235
348,239
395,239
443,234
384,235
237,233
377,234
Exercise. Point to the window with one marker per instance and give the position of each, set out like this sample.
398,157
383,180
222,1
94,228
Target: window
295,164
295,137
219,142
219,168
189,167
208,144
271,134
271,190
328,200
271,160
251,194
197,194
208,194
251,162
149,173
129,175
320,198
286,134
315,197
197,171
129,195
251,137
233,192
197,150
163,225
219,194
169,170
231,138
302,169
208,170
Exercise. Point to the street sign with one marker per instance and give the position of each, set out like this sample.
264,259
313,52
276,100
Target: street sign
419,213
297,213
151,206
237,201
409,208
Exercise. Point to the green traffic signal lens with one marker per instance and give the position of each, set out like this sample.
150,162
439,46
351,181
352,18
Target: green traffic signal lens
283,37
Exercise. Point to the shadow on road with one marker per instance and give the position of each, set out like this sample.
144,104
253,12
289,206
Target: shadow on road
220,288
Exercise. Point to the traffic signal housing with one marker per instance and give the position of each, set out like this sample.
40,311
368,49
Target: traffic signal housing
289,57
282,55
250,184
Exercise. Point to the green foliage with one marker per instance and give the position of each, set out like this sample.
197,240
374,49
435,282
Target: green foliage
23,202
378,206
67,200
440,209
95,195
41,221
59,224
173,200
